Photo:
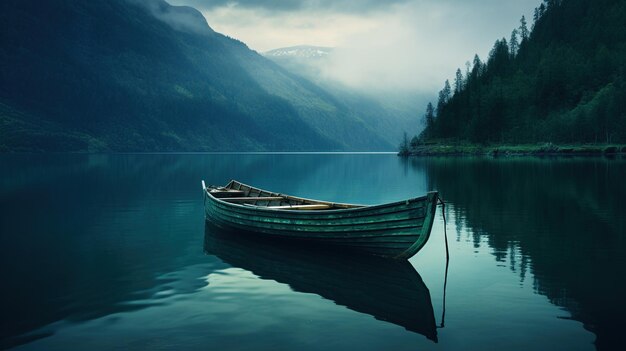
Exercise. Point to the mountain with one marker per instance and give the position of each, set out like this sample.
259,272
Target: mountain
300,51
563,82
304,60
391,113
142,75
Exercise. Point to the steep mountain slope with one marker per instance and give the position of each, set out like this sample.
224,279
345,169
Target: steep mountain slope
141,75
389,113
563,82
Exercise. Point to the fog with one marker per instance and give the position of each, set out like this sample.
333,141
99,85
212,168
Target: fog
182,18
416,46
392,45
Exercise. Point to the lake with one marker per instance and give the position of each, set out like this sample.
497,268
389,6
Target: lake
103,252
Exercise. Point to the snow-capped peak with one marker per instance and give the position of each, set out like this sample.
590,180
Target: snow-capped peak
300,51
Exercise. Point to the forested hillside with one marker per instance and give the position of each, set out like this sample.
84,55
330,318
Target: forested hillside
561,79
141,75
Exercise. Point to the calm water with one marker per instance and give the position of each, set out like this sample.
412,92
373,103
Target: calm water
111,251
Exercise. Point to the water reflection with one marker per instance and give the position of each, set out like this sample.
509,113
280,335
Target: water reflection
81,234
387,289
86,239
562,220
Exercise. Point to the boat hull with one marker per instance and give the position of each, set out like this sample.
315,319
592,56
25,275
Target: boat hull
397,230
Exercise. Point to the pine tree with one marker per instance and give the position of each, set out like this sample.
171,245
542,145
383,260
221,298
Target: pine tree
477,66
415,141
499,58
458,81
513,43
447,91
430,116
523,28
444,96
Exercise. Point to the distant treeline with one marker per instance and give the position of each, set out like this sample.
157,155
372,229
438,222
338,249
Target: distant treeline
563,80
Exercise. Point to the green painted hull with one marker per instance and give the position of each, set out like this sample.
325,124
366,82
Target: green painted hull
397,230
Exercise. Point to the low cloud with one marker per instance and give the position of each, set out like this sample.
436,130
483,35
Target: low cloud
390,45
336,6
181,18
419,44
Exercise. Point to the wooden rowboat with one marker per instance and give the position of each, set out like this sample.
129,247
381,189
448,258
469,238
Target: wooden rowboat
398,229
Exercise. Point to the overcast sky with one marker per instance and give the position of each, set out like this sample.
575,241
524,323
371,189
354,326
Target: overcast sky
403,44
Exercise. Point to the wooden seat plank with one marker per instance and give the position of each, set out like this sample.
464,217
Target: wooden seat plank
226,193
301,207
252,198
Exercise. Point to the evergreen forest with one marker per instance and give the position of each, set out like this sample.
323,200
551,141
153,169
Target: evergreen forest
561,79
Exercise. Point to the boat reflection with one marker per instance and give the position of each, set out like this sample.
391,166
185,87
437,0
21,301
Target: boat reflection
389,290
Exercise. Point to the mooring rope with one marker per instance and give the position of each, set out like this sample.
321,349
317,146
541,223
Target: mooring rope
445,279
445,232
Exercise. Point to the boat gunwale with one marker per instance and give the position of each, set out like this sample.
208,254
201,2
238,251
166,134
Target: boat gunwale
321,229
320,215
330,211
260,218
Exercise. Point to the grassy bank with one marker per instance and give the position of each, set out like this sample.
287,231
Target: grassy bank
433,149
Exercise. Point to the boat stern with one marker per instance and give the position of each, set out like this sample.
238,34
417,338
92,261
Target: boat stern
431,208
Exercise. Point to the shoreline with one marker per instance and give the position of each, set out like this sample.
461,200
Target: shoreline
515,150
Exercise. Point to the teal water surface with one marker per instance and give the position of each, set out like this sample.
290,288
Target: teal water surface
103,252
